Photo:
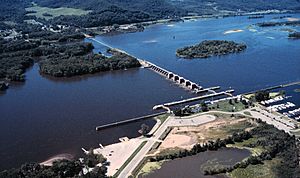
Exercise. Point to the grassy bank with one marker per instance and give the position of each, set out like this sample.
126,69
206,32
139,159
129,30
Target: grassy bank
256,171
149,167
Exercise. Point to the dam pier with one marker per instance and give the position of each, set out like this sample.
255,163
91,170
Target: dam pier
187,84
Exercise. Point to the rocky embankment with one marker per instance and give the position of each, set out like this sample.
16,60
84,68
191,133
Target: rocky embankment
209,48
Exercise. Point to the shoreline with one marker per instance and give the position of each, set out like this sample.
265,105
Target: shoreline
126,28
51,160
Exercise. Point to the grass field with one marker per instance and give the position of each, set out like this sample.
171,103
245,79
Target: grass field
224,129
256,171
40,12
150,167
227,107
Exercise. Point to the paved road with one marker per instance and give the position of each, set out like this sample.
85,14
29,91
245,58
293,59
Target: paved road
270,118
273,119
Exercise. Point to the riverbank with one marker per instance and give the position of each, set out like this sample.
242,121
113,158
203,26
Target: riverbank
140,26
50,161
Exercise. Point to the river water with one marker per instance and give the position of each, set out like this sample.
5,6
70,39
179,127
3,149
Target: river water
45,117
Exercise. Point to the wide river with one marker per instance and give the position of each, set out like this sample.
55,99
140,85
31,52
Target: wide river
46,117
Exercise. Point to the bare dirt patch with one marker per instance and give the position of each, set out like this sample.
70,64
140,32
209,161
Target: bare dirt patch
178,140
185,137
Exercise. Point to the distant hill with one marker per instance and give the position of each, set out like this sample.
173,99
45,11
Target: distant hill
215,6
109,12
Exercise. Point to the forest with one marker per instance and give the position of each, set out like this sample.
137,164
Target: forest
59,54
68,65
209,48
106,12
19,54
61,169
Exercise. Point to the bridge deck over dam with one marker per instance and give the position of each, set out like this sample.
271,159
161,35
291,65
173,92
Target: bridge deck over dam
188,84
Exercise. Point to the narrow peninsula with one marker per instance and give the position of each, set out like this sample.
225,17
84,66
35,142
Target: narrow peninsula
209,48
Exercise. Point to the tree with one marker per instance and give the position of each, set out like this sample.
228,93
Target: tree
236,100
230,101
144,129
91,159
262,96
204,107
97,172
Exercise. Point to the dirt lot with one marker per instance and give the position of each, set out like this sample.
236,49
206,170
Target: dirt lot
222,127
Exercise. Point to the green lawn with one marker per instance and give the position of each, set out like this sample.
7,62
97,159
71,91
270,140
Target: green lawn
227,107
54,12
